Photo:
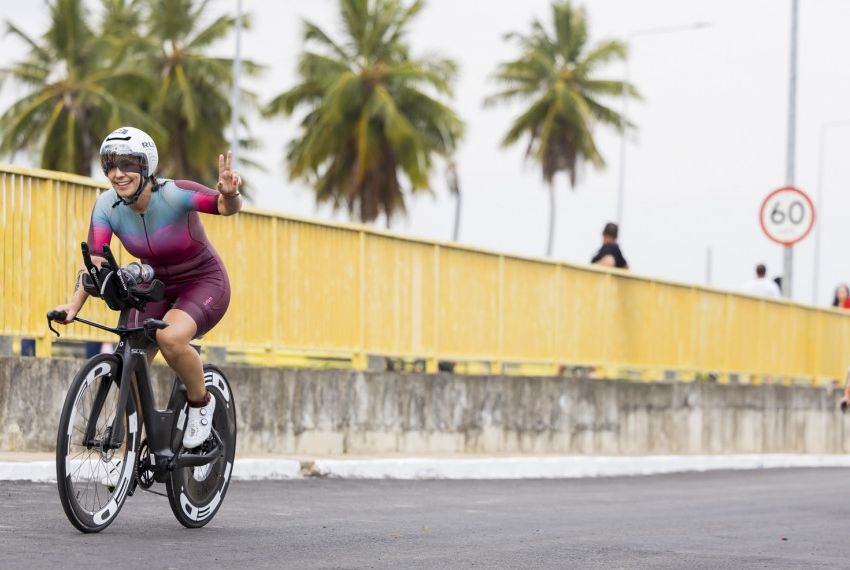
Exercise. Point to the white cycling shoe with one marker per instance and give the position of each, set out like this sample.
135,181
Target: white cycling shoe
198,424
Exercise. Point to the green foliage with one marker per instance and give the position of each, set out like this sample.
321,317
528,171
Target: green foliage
192,95
144,64
374,119
556,72
75,92
556,75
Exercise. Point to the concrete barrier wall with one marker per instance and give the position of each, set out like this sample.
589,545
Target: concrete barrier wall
313,412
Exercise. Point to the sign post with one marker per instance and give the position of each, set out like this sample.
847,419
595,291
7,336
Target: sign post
787,216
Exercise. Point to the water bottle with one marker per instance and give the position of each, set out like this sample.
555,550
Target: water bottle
137,273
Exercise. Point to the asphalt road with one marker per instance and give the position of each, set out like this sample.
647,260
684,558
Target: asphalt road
796,518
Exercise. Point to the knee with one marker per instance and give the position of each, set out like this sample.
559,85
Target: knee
170,342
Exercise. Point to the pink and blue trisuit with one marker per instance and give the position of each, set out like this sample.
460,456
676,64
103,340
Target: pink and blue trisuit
170,238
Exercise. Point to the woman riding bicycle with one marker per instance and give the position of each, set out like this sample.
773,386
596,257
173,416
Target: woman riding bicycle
157,221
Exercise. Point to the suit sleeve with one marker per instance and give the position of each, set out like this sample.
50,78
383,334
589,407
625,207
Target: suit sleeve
198,197
100,230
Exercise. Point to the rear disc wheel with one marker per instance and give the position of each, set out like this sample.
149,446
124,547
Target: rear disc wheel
196,493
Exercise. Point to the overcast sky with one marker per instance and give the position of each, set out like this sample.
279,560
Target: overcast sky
711,143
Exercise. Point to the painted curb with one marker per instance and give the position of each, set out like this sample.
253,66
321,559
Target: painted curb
567,467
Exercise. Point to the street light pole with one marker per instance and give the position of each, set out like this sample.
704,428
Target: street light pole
234,96
819,203
625,103
788,253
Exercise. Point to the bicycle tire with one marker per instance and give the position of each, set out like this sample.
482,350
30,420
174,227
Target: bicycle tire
81,470
196,493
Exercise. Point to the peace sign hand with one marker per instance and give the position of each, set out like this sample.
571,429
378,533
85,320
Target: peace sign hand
228,180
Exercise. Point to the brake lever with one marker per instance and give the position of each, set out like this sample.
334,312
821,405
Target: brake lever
55,316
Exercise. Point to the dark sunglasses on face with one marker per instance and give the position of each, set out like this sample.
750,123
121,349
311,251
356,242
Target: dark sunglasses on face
125,163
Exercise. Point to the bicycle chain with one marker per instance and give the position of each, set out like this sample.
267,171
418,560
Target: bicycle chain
154,492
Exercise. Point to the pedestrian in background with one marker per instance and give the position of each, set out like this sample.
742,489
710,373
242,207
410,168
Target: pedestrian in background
761,286
841,300
609,254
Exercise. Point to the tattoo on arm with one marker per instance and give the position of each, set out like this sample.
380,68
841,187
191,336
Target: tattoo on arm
78,281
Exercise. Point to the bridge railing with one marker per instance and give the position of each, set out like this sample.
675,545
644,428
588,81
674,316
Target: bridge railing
325,294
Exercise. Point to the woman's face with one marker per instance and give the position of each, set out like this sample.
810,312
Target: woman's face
125,183
842,293
124,173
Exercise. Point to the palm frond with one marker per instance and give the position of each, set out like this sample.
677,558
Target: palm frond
374,115
314,33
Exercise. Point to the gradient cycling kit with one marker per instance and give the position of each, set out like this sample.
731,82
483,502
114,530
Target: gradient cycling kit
169,237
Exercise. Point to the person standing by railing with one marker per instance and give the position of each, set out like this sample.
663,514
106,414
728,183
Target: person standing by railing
761,286
609,253
841,300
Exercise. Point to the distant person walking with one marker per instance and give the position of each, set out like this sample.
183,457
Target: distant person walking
761,286
609,254
842,297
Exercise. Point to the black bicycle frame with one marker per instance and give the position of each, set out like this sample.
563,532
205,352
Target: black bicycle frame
164,430
164,440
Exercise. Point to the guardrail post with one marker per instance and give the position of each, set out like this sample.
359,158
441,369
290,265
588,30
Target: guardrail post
360,359
432,365
44,346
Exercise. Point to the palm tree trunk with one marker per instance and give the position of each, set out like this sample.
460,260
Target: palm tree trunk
551,239
456,232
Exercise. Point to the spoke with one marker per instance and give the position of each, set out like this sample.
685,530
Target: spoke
74,457
87,459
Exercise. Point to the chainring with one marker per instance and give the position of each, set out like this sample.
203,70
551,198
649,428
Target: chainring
144,469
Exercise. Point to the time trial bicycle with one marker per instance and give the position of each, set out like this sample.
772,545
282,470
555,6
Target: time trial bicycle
112,439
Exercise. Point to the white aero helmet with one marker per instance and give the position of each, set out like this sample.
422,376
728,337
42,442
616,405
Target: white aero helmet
130,149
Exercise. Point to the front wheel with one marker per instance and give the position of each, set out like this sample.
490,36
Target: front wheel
93,477
196,493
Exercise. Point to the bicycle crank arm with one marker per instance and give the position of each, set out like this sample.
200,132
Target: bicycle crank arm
197,459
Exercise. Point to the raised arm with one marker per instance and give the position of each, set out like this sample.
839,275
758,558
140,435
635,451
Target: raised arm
229,199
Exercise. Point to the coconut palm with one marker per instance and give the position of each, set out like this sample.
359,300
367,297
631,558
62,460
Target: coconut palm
75,82
557,72
191,98
374,121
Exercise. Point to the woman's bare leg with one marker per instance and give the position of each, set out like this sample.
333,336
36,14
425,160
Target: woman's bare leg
174,344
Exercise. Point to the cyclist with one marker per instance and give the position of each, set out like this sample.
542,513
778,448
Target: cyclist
157,221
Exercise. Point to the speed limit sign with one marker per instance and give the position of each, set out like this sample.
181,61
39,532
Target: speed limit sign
787,215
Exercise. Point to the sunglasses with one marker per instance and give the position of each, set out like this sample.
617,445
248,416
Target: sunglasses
124,162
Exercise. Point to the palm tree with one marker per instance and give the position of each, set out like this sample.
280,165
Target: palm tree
557,72
76,81
372,111
192,95
453,183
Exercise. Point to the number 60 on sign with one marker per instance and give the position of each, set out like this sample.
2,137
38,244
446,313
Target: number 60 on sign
787,215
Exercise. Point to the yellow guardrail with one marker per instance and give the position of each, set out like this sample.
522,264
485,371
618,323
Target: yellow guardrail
311,292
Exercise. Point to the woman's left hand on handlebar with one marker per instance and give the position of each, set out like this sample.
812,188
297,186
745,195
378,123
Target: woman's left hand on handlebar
70,310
